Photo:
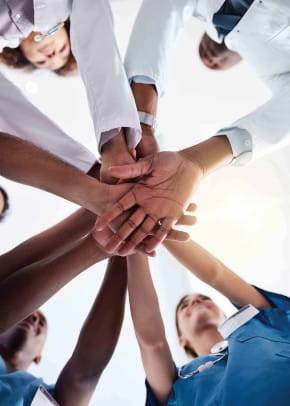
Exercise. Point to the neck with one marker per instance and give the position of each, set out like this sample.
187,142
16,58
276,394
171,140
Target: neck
12,359
208,337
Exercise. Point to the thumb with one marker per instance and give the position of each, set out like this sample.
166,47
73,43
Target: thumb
134,170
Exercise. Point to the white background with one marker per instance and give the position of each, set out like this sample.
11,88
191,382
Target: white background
243,212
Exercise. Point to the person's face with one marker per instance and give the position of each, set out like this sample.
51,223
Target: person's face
50,53
27,338
195,313
216,56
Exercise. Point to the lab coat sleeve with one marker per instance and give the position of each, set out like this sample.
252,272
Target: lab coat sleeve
153,38
266,128
20,118
94,45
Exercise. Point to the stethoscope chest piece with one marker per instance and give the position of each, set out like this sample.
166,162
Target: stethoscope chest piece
219,347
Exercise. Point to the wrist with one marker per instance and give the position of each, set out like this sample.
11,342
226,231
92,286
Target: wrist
94,252
211,154
115,146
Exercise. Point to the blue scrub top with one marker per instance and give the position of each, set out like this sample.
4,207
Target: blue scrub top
255,371
18,388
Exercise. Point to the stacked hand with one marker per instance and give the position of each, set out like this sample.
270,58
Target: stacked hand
116,153
166,181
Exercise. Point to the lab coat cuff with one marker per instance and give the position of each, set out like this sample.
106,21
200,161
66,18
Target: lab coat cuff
106,136
145,80
241,143
133,136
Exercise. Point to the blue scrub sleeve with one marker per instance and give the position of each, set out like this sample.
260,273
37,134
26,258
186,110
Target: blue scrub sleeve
32,389
277,300
151,399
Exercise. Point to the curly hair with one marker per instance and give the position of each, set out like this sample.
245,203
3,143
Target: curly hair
14,58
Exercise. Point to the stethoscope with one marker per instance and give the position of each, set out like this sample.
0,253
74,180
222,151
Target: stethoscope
219,350
49,33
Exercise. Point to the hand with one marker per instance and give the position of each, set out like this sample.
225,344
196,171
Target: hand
162,194
114,152
148,144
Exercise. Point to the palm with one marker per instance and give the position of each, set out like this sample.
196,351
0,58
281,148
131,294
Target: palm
163,193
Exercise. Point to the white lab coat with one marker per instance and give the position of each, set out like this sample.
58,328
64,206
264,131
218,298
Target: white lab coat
94,46
262,38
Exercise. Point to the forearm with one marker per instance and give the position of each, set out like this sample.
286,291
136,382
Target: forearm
30,287
149,328
144,303
196,259
211,154
214,273
23,162
47,244
97,340
146,97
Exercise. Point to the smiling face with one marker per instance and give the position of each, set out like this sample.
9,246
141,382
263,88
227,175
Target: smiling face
25,340
50,53
216,56
194,314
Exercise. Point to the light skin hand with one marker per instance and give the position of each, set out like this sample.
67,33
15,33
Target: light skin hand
164,192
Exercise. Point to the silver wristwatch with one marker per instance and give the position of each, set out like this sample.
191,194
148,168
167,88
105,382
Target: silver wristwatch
148,119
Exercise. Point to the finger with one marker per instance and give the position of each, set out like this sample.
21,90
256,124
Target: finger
102,237
160,234
191,207
138,236
147,243
140,168
187,220
125,230
164,228
176,235
114,211
142,249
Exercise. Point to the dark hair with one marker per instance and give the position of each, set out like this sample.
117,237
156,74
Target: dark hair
14,58
189,350
6,203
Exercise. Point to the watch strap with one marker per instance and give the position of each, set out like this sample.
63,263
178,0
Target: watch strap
148,119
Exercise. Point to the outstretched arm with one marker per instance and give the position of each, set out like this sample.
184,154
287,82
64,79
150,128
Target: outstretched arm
97,340
213,272
149,328
47,244
23,162
30,287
